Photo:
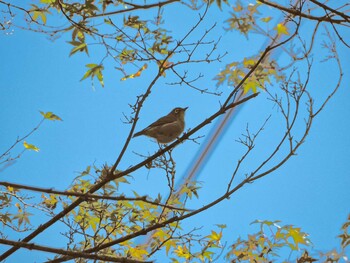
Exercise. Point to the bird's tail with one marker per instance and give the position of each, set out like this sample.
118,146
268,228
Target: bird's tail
137,134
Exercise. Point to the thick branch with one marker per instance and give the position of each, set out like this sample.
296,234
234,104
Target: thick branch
32,246
89,196
134,7
296,12
347,18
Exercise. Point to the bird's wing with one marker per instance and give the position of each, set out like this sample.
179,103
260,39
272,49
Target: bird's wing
169,119
162,121
171,129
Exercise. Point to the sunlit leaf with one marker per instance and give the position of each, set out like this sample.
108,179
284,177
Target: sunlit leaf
30,146
49,202
215,236
93,222
135,75
36,12
169,244
298,237
250,85
182,252
82,47
94,70
281,29
50,116
138,252
266,19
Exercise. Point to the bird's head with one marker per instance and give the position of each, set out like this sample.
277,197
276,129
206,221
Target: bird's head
179,112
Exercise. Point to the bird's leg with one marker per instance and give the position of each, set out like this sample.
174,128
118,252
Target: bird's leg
160,146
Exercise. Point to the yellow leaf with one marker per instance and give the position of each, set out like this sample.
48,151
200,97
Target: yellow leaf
138,253
169,244
47,1
215,236
50,116
49,202
181,251
135,75
249,63
298,237
281,29
251,85
207,254
30,146
93,221
238,8
162,235
266,19
37,14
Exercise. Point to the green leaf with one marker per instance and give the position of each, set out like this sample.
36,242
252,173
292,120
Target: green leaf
30,146
22,218
93,222
40,14
82,47
94,70
87,74
91,65
37,12
87,171
100,77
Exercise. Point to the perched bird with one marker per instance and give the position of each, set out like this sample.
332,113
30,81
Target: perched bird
167,128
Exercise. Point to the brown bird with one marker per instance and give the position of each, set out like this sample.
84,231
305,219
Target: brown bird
167,128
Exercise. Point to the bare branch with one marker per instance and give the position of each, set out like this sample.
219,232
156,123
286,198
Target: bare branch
296,12
133,8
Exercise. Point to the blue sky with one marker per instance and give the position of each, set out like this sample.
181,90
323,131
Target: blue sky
310,191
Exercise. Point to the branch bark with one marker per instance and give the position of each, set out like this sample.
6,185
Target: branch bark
298,13
89,196
32,246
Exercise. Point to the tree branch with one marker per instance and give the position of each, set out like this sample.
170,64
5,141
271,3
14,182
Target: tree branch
90,196
298,13
32,246
134,7
347,18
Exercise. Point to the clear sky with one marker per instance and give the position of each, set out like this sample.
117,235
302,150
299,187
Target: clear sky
310,191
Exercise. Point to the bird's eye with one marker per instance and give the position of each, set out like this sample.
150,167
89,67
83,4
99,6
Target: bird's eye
177,111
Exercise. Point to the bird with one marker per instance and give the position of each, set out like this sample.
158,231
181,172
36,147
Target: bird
167,128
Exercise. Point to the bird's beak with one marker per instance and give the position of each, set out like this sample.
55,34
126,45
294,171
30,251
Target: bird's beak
185,108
